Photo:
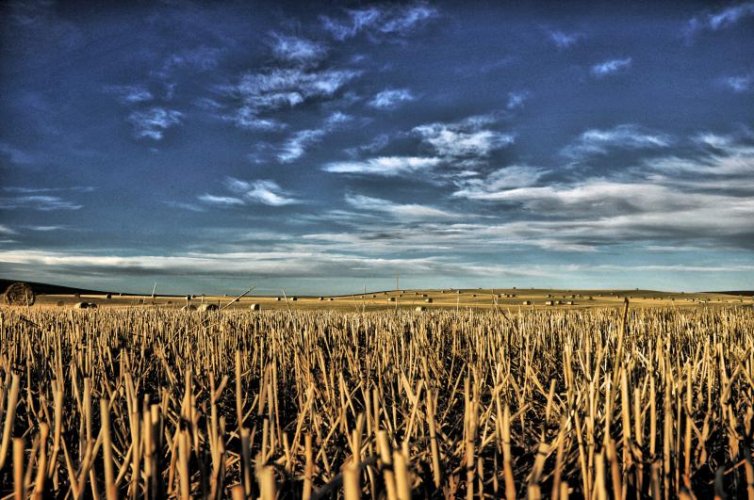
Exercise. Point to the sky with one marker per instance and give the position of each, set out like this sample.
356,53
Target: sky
328,147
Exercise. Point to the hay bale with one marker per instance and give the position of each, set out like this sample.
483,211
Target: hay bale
109,296
60,303
320,299
420,309
294,299
255,307
549,303
428,301
526,302
85,305
277,299
391,299
208,307
188,307
19,294
330,299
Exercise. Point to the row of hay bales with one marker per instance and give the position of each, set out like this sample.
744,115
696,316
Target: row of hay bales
214,307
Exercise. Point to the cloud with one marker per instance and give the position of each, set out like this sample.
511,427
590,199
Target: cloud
33,190
6,230
282,88
610,67
391,98
386,166
626,136
15,155
516,99
130,94
225,201
298,50
266,192
296,145
153,123
738,84
269,193
715,21
563,40
466,138
43,203
405,212
378,22
511,177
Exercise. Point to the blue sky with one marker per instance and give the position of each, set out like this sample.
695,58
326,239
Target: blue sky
211,146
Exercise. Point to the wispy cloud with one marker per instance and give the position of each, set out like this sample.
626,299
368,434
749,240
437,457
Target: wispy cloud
224,201
385,166
378,21
296,145
610,67
266,192
278,89
153,123
516,99
296,49
627,136
739,84
391,98
402,211
563,40
130,94
514,176
721,19
43,203
6,230
467,138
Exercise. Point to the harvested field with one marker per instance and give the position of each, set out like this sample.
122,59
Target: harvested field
585,402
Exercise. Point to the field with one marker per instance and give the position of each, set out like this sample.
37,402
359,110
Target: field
477,396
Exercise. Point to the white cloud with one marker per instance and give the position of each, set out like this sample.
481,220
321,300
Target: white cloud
626,136
43,203
721,19
269,193
610,67
130,94
386,166
463,139
153,123
264,191
6,230
391,98
227,201
563,40
511,177
517,99
738,84
405,212
296,145
295,49
278,89
376,21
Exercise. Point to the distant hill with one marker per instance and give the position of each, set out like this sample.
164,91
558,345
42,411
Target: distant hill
746,293
48,289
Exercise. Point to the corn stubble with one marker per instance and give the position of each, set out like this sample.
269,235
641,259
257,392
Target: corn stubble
592,403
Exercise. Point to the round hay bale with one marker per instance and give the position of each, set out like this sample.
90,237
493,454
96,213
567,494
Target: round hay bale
428,301
277,299
420,309
526,302
255,307
109,296
294,299
85,305
391,299
330,299
188,307
19,294
60,303
208,307
320,299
